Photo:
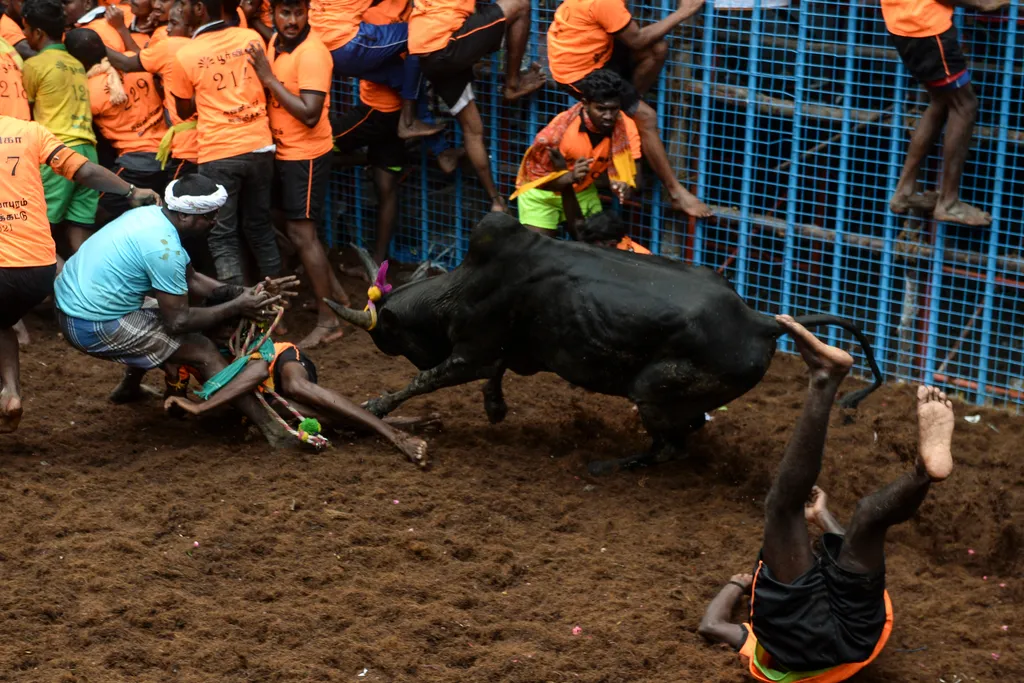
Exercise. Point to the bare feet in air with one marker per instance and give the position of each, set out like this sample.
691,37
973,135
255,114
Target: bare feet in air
179,405
414,448
824,361
22,332
687,203
418,129
449,159
322,334
816,507
902,202
962,214
10,411
531,80
935,432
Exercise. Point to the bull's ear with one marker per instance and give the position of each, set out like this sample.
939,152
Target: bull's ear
363,319
369,265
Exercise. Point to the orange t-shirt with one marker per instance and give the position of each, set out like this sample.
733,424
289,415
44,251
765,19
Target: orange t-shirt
232,107
159,58
159,33
753,653
138,124
576,144
336,21
13,100
25,239
433,22
627,244
379,97
917,18
10,31
307,67
107,33
580,38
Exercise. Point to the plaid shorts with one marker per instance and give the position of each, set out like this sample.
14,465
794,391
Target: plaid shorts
138,339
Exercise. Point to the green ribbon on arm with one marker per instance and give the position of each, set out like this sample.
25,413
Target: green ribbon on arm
222,378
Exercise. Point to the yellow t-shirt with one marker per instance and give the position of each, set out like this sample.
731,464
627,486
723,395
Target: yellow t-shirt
58,90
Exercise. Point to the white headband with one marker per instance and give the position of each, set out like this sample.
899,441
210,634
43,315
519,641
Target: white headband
195,205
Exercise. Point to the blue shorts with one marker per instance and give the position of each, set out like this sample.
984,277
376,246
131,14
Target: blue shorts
376,54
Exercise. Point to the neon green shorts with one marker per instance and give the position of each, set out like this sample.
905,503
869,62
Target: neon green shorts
543,208
68,201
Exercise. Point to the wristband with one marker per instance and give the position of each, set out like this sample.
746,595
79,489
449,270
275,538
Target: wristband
130,192
739,585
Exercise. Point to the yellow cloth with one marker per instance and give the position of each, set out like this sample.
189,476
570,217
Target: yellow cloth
6,48
163,155
58,90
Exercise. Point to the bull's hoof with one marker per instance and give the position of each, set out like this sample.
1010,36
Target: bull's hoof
496,410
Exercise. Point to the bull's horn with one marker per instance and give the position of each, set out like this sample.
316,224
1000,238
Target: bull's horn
369,265
363,319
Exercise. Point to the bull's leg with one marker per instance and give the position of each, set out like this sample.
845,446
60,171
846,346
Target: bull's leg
672,396
494,398
454,371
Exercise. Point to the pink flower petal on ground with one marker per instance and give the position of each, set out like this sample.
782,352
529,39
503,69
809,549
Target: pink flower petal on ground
984,578
576,630
970,551
1002,585
995,656
395,501
1005,627
195,544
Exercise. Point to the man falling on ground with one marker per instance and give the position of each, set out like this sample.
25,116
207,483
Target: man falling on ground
926,40
820,618
587,35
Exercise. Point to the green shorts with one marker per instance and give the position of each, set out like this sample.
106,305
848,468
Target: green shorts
68,201
543,208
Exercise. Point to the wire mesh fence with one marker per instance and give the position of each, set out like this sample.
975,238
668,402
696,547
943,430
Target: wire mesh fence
792,122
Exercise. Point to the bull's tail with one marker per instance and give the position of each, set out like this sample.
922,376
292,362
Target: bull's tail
851,400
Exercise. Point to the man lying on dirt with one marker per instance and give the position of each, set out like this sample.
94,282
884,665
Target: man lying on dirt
292,375
101,294
821,617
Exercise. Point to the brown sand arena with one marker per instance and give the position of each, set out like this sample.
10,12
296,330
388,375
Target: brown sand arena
314,567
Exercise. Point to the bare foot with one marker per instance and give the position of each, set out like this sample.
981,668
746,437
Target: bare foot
531,80
449,159
498,205
414,448
22,332
962,214
418,129
918,201
10,411
322,334
686,202
822,359
816,507
935,432
350,271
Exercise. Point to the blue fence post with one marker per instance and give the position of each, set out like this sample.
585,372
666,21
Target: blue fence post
754,62
657,211
705,122
795,168
934,301
1009,61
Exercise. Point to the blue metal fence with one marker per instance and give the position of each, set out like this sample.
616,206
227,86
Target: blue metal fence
793,123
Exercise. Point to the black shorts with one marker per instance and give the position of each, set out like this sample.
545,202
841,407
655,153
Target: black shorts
450,69
303,187
22,289
936,62
827,617
115,205
621,62
177,168
363,126
293,355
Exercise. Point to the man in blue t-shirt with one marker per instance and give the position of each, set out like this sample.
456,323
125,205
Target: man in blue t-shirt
101,294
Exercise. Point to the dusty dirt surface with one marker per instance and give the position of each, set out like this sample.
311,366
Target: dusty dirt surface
353,565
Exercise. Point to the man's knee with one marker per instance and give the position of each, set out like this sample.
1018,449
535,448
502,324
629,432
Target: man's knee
965,102
472,124
513,9
300,232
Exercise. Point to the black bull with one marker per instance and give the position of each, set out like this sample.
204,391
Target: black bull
673,338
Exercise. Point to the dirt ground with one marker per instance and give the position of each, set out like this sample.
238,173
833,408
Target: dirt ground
141,548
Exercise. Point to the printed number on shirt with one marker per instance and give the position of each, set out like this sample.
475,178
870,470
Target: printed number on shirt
228,79
6,91
135,93
13,163
81,94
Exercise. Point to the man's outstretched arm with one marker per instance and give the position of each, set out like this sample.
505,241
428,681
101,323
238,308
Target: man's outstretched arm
716,625
636,38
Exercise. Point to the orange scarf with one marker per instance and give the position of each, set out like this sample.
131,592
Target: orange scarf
538,169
